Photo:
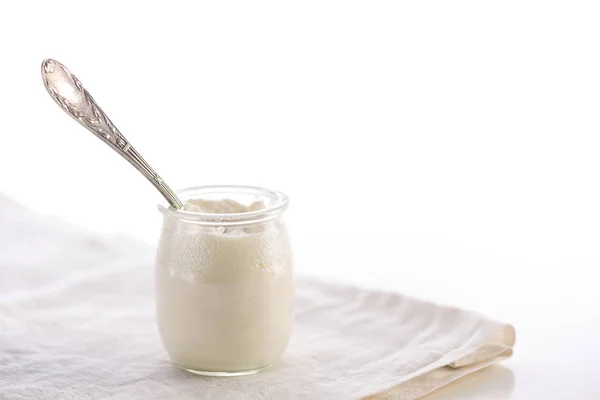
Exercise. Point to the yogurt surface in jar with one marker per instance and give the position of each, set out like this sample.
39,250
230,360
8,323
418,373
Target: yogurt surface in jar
224,281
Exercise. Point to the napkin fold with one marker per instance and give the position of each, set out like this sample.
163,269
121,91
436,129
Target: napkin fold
77,322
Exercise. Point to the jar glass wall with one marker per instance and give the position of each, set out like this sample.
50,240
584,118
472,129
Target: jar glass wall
224,283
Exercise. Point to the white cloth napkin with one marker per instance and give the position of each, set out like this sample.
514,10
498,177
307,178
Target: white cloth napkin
77,322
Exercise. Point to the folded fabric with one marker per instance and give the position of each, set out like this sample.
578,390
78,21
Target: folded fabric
77,322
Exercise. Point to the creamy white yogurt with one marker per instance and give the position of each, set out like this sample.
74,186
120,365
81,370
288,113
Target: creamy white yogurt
224,296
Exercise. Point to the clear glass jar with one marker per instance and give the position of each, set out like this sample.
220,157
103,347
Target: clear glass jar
224,283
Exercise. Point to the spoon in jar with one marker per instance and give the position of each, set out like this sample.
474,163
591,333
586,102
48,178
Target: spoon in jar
71,96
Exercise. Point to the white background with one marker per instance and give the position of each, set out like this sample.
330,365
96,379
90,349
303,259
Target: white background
447,150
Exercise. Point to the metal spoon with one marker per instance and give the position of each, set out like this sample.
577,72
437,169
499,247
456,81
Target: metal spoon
71,96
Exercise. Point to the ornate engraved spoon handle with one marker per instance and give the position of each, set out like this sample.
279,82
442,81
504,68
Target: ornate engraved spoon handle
75,100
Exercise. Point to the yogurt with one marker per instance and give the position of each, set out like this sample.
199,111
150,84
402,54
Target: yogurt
224,292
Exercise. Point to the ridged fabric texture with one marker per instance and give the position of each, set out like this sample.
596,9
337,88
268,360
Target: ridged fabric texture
77,322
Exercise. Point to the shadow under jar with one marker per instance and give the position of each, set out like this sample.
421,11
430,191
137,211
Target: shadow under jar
224,283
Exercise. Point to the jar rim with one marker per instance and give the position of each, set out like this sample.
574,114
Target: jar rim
279,203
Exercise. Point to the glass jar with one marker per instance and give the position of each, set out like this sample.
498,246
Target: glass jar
224,283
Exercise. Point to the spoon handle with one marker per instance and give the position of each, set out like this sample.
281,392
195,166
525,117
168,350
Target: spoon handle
68,92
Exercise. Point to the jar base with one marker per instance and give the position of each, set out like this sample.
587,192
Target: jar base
224,373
